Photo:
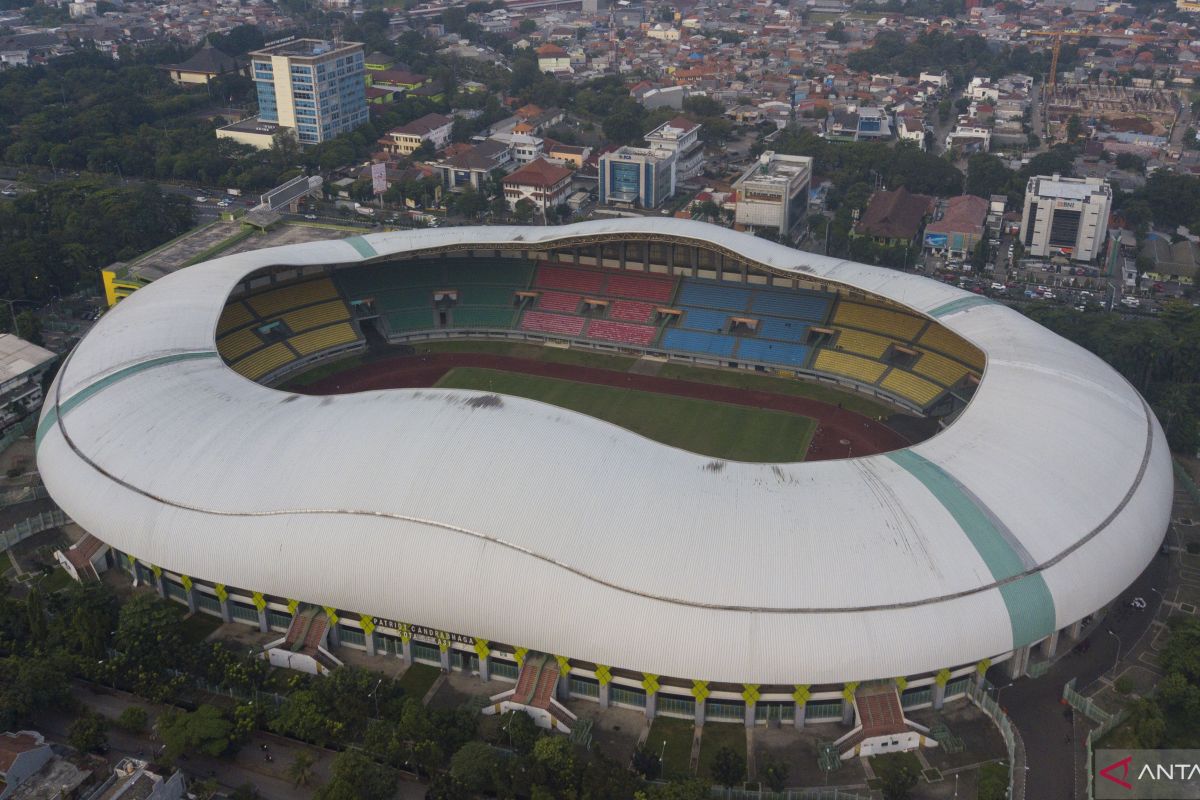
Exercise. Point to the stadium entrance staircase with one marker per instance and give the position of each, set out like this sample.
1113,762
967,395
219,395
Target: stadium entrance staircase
882,727
534,694
303,647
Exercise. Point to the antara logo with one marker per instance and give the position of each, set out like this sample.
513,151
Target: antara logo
1170,772
1123,766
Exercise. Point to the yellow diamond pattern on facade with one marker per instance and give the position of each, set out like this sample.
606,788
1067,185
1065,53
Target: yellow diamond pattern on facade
849,690
157,570
750,693
293,606
564,664
700,691
802,693
405,633
260,602
443,641
901,683
368,625
603,674
519,654
650,683
186,581
481,648
221,592
332,614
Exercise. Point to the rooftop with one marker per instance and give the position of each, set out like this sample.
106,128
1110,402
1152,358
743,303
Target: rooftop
306,48
964,214
539,172
18,356
13,744
252,125
894,215
1068,188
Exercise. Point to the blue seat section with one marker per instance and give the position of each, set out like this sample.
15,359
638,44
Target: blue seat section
773,352
713,344
811,307
713,295
787,330
703,319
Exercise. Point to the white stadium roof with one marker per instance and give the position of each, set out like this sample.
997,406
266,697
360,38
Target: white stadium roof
536,526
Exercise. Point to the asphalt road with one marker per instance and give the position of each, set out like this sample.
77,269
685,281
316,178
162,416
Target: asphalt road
1033,704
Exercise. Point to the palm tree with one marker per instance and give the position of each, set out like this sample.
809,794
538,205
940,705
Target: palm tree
301,768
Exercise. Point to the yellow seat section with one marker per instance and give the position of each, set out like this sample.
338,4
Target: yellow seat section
944,370
234,315
864,344
268,359
860,369
953,345
274,301
904,384
235,345
878,320
316,316
323,338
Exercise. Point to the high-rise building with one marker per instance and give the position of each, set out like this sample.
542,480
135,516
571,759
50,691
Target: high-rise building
774,192
312,86
637,176
1065,217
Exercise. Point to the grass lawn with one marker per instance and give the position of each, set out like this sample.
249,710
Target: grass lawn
894,762
322,371
742,379
57,579
716,736
719,430
198,627
417,679
677,755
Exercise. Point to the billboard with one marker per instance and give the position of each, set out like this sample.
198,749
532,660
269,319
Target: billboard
936,239
379,178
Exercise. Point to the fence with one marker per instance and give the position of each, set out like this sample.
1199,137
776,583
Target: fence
1012,739
22,494
1105,721
1182,476
252,696
35,524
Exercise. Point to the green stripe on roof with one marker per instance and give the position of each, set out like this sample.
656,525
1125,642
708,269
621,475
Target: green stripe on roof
961,304
88,391
361,245
1028,599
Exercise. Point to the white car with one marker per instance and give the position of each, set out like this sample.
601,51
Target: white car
997,287
201,198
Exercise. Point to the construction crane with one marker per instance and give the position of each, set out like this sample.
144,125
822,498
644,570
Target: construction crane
1057,36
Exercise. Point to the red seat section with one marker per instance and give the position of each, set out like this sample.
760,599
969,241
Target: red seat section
623,332
575,280
629,311
559,301
552,323
642,287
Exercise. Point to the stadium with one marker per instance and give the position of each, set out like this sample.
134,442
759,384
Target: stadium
465,525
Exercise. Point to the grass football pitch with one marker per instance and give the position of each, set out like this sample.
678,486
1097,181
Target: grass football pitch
720,430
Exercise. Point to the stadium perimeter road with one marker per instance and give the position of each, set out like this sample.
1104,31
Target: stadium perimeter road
1034,704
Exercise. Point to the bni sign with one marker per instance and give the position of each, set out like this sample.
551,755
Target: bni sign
379,178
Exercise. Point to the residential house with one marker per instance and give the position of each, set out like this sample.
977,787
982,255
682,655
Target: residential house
894,217
432,128
544,184
473,166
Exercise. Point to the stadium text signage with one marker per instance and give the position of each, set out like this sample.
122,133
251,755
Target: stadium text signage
421,630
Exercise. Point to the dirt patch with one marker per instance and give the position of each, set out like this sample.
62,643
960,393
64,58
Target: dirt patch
839,434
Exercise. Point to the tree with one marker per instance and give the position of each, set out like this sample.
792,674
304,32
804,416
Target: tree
979,255
527,26
300,771
302,716
898,781
87,733
700,105
729,767
35,609
132,720
356,777
987,175
149,643
521,730
1074,128
774,774
524,209
204,731
1130,163
474,766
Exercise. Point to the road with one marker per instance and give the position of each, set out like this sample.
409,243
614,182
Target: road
247,766
1033,704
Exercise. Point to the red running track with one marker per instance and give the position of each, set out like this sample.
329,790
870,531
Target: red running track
840,433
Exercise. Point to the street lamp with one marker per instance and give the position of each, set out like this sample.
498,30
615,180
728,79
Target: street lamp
1117,660
999,689
12,311
376,696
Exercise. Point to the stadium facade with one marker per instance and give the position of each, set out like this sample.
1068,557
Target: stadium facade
471,531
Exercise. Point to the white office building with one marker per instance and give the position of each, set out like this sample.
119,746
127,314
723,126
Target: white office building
774,193
1065,217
